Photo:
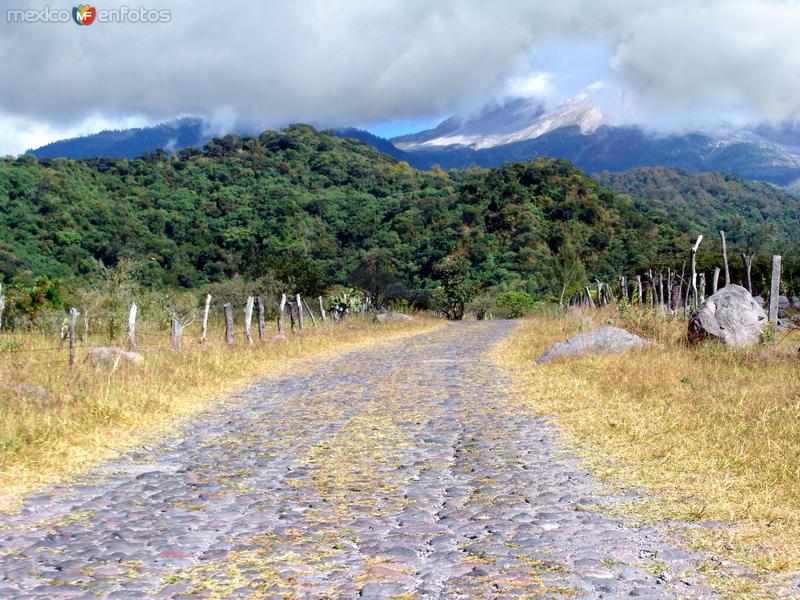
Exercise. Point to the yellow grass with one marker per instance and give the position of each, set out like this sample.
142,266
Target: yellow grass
714,433
94,412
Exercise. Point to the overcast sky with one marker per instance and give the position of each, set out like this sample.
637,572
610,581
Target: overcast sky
395,66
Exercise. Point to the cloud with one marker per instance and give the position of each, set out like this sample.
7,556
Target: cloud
338,63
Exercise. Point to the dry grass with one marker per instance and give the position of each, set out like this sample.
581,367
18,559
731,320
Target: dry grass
714,432
92,413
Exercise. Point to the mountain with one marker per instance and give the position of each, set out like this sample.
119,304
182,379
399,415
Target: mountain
520,129
379,143
498,124
307,208
129,143
513,131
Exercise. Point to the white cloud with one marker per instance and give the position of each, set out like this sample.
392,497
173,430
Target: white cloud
532,85
343,62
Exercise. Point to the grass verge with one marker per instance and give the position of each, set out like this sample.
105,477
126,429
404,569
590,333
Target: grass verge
714,432
90,414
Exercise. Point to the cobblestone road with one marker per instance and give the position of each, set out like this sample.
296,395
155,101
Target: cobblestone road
398,471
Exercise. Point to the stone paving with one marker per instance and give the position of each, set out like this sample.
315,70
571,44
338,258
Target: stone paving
398,471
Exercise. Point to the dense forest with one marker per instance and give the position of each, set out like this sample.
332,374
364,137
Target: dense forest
310,209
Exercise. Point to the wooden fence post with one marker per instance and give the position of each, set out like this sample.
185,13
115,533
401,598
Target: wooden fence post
639,289
204,326
694,267
774,288
300,312
73,317
589,300
702,287
261,323
669,289
281,308
310,313
3,305
748,265
176,333
715,281
725,258
248,319
321,309
228,323
132,327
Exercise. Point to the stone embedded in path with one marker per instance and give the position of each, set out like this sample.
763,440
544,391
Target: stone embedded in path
606,340
392,317
731,316
104,355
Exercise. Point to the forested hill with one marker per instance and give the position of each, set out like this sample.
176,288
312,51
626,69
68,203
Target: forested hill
703,202
312,208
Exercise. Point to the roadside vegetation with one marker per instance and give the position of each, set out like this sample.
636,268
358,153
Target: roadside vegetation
712,435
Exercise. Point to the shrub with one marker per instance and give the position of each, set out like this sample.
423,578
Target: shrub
515,304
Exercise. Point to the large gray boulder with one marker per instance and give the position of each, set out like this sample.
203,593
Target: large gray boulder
606,340
392,317
731,316
107,355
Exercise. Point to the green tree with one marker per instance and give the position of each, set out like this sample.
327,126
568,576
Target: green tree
515,304
457,288
569,270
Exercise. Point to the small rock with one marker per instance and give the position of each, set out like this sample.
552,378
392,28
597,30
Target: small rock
32,393
392,317
104,355
606,340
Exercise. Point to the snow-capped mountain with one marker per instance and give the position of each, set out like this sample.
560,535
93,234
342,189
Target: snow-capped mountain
505,123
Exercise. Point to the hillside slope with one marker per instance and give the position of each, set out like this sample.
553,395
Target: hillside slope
312,207
703,202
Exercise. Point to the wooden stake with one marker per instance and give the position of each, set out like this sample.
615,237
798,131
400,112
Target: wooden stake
702,287
300,317
2,305
694,267
639,290
248,319
715,281
176,333
310,313
73,318
132,327
748,265
262,326
228,323
589,300
669,289
281,308
204,326
725,258
322,309
774,288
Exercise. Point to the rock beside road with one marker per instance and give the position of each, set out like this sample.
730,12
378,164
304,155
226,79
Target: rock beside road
731,316
392,317
606,340
106,355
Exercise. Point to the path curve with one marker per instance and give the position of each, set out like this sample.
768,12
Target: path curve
398,471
